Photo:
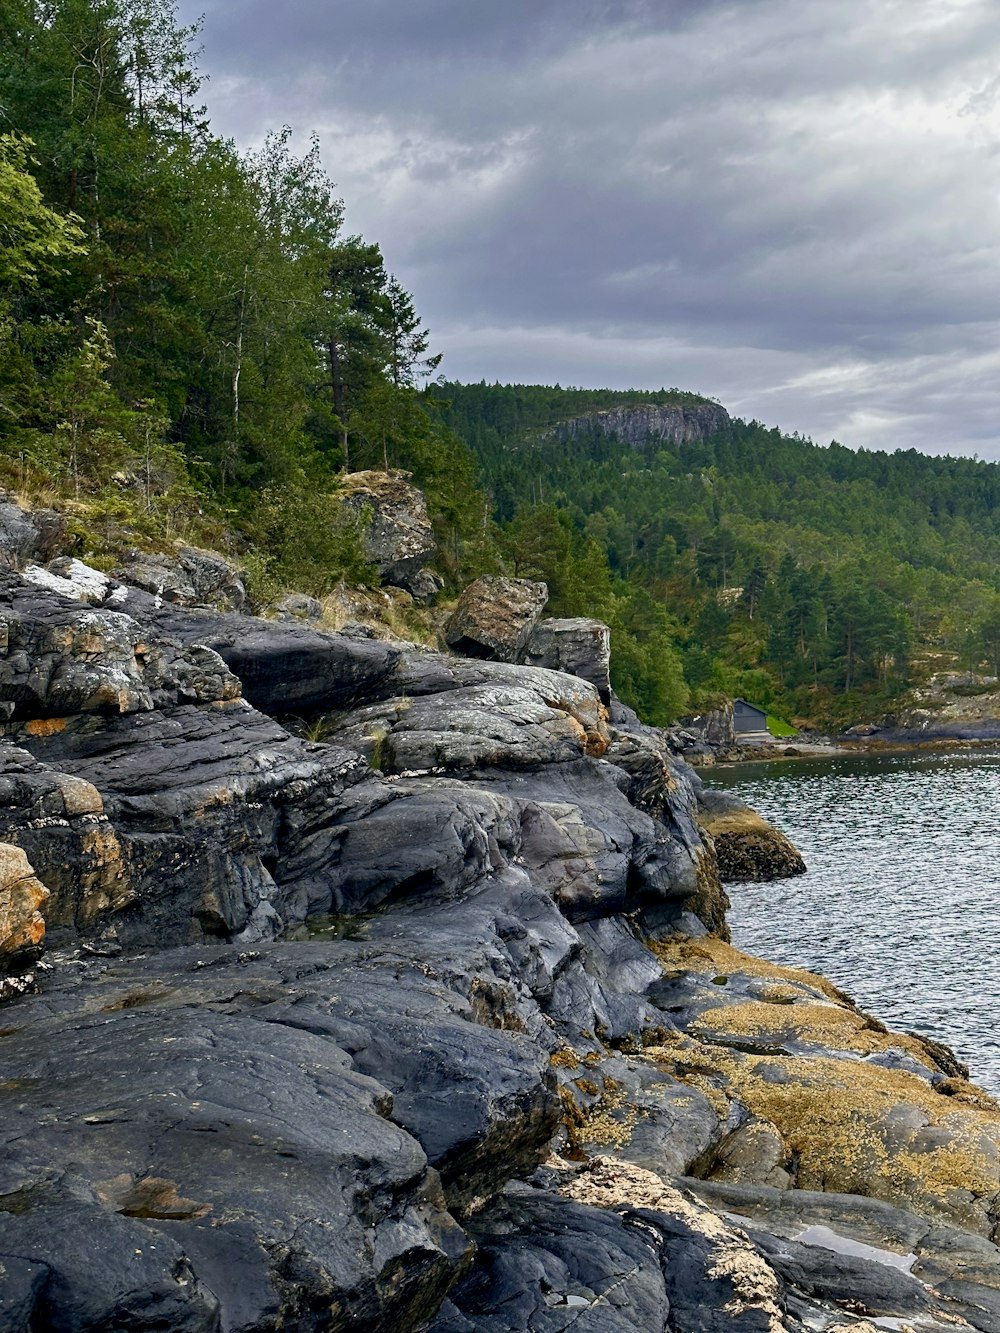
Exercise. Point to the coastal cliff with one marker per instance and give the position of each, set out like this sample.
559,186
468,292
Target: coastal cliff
431,1023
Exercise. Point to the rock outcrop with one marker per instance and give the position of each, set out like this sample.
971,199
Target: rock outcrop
747,847
426,1025
396,532
495,617
579,646
639,424
189,577
22,926
951,706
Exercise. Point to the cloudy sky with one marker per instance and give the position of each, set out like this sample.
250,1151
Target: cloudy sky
790,205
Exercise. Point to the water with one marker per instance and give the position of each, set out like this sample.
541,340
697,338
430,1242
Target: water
901,903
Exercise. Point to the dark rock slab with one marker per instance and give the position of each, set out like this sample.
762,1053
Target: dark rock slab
552,1265
285,669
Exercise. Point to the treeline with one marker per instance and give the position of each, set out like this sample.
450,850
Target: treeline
187,333
807,579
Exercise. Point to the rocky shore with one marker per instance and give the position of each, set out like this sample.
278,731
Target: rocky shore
432,1024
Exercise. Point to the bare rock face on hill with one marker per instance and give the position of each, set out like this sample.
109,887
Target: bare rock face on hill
495,616
676,423
396,533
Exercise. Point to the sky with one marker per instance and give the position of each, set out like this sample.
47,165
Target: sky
792,206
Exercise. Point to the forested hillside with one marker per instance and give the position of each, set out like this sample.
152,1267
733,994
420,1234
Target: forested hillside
191,339
812,580
193,344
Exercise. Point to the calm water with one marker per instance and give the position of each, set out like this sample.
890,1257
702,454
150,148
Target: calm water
901,902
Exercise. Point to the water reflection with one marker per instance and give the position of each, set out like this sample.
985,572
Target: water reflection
901,902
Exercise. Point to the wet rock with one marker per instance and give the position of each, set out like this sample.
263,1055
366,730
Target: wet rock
22,926
240,1166
753,1154
396,532
747,847
494,617
578,646
550,1264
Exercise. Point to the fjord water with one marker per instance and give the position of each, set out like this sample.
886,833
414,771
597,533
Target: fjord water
900,905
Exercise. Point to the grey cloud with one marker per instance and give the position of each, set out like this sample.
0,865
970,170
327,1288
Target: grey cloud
755,195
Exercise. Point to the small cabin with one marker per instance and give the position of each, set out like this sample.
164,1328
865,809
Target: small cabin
749,722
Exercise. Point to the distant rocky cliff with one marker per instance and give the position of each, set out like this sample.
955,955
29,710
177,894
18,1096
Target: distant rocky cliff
676,423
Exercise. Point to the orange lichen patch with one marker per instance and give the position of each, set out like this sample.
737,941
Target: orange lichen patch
711,955
828,1025
597,744
45,726
103,873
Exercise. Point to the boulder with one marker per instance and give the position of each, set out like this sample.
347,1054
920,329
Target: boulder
296,607
396,532
495,616
578,646
188,577
714,728
22,926
747,847
29,535
72,578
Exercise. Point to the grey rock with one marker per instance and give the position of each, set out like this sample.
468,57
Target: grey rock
26,535
640,424
188,577
578,646
297,606
257,1139
495,616
57,658
396,532
551,1265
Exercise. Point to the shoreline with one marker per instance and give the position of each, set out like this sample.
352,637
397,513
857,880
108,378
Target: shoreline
726,758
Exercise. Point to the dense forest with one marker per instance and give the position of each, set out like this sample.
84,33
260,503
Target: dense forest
812,580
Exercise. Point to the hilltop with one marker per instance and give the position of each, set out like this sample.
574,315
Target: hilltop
815,580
